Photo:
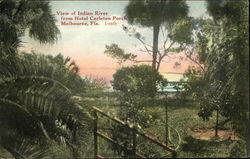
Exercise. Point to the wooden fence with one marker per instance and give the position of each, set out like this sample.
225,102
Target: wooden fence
135,133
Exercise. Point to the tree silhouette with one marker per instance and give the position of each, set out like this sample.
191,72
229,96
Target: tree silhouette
19,16
155,13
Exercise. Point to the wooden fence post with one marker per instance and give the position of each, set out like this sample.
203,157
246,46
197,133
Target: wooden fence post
174,154
95,134
166,119
134,142
131,151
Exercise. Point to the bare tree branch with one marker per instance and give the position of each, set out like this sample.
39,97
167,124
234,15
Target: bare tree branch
147,51
193,60
145,45
164,44
166,50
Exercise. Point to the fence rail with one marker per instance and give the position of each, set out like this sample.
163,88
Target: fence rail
135,132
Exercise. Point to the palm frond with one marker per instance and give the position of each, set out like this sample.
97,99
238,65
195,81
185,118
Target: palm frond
40,88
23,149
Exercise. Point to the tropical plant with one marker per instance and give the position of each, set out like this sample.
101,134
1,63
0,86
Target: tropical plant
222,45
39,95
232,56
18,16
37,102
26,149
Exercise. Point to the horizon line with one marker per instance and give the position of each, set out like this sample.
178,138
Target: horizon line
173,72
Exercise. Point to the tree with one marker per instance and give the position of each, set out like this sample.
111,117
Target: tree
117,53
154,14
41,91
137,81
198,84
37,103
223,48
232,58
157,14
17,16
39,97
233,17
136,85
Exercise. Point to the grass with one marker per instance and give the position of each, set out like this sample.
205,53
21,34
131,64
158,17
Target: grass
183,116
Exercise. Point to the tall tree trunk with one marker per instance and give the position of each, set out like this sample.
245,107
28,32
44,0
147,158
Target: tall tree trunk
158,65
155,44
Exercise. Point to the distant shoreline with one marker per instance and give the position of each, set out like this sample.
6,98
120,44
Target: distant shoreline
180,73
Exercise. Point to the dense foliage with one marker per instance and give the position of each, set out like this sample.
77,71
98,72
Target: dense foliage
222,45
45,104
137,81
37,91
19,16
39,95
137,86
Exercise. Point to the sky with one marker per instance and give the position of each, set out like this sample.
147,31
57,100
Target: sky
86,44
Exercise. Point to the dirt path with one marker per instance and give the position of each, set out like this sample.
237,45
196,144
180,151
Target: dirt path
209,134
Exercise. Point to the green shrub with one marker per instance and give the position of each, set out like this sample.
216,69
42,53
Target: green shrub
238,149
137,86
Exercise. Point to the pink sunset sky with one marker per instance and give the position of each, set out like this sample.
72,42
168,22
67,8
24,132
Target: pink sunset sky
86,44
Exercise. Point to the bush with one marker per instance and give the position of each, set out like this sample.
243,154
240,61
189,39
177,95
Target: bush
139,80
238,149
137,86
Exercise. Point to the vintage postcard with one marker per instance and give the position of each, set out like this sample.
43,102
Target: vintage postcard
124,79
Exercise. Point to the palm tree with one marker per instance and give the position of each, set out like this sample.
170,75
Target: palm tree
36,102
38,93
154,13
18,16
